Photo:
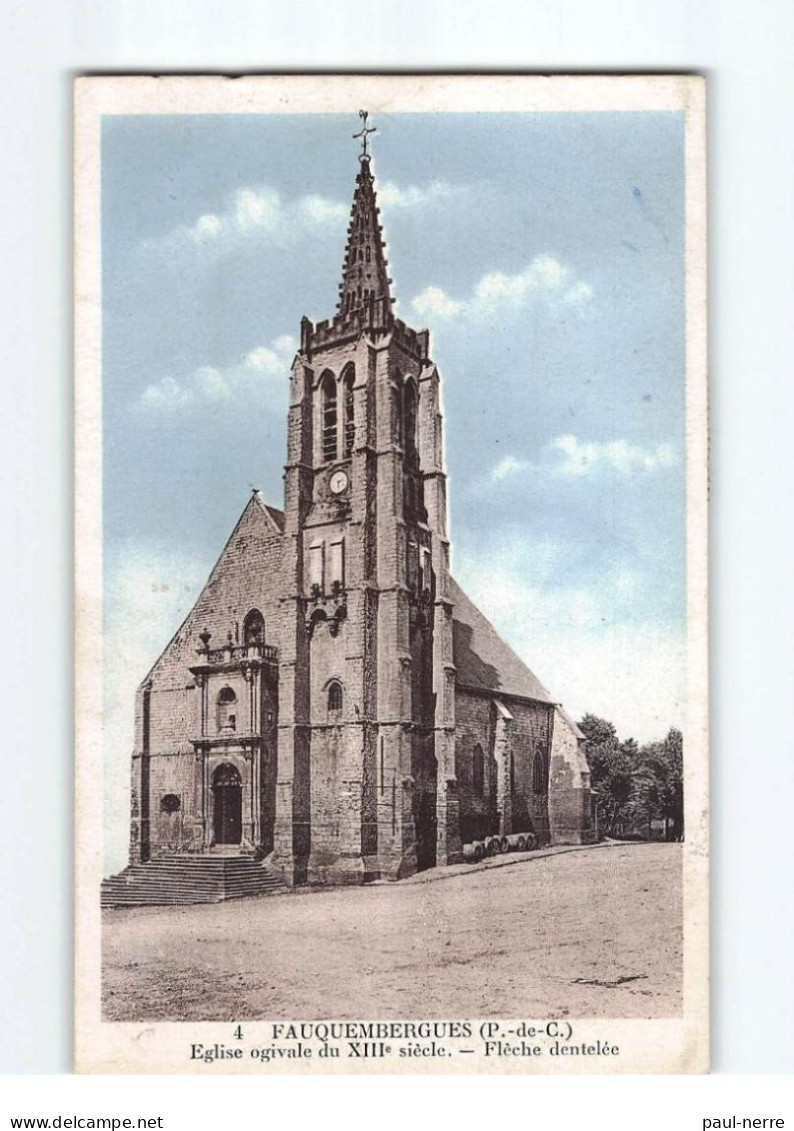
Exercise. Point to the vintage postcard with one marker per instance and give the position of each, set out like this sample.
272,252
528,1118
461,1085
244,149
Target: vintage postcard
391,575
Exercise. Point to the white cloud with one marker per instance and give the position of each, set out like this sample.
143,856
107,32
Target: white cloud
568,457
434,301
545,278
506,467
207,227
263,369
317,210
582,641
580,292
413,196
259,212
577,458
254,213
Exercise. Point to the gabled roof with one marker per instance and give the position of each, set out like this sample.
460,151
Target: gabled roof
276,515
482,659
255,512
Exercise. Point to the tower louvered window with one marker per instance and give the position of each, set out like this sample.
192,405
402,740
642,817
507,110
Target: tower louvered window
336,564
397,415
329,418
350,420
409,420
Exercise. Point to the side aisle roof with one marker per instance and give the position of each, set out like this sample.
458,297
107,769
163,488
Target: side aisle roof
483,660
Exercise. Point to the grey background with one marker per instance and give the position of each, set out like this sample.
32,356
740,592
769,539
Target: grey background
746,54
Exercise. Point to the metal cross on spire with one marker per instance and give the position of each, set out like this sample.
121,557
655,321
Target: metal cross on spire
363,133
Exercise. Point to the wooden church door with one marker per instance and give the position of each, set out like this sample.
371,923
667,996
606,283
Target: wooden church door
228,810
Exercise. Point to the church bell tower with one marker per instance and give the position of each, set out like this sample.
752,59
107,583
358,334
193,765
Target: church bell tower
366,773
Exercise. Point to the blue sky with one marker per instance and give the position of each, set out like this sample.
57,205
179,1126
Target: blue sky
545,254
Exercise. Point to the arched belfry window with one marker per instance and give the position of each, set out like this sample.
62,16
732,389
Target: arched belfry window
328,387
398,413
348,382
227,709
409,419
254,629
539,772
334,696
478,771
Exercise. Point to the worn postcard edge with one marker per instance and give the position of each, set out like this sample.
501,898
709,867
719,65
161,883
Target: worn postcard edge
651,1046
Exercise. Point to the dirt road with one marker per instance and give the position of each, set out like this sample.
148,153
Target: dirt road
594,933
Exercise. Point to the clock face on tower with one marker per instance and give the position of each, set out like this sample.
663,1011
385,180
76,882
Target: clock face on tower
338,482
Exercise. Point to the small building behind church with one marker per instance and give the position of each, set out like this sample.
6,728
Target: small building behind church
335,709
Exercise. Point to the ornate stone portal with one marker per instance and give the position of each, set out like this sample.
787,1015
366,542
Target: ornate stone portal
236,702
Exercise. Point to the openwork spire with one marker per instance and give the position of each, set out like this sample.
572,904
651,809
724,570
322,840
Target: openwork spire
365,281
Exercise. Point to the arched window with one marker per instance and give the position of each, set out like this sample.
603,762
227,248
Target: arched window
409,419
397,410
539,772
478,772
328,386
348,382
253,629
227,709
335,695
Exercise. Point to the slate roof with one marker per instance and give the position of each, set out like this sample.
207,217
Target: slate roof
483,661
276,515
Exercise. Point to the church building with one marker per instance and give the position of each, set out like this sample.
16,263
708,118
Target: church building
335,709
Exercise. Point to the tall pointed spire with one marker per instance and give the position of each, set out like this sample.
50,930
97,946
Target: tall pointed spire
365,299
365,281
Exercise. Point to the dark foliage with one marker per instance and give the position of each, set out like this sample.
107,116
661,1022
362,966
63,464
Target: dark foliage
640,789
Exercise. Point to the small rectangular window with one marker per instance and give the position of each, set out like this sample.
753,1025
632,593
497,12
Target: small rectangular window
337,563
317,566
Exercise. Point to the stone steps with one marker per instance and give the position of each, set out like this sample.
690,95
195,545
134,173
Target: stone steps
172,880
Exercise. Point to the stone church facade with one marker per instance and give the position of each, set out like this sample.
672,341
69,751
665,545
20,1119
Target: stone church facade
334,706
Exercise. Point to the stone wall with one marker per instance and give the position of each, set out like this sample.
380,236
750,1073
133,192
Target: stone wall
570,796
531,739
509,731
475,727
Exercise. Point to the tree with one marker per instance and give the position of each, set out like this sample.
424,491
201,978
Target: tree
634,785
666,761
611,771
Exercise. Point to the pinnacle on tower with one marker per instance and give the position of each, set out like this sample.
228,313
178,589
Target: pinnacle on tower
364,276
